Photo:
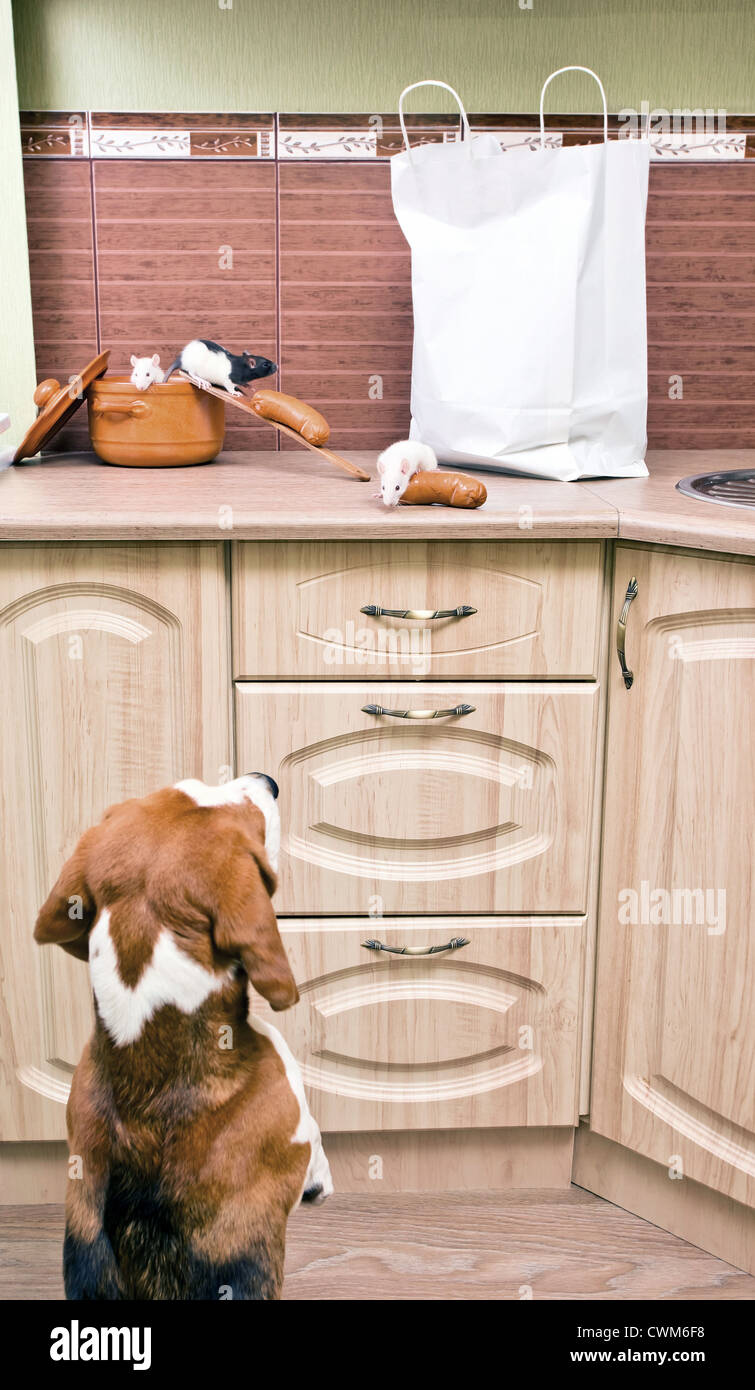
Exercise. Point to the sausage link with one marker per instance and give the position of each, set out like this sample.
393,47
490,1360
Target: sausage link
451,489
289,410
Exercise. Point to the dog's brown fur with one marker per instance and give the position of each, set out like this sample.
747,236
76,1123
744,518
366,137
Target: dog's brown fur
188,1172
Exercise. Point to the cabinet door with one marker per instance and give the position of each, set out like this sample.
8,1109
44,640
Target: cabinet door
486,811
510,609
115,664
674,1054
482,1035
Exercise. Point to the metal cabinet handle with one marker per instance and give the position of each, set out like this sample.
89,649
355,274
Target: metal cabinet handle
454,944
418,713
373,610
621,633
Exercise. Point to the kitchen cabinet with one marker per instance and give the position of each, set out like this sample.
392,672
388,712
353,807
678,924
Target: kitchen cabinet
483,1034
485,808
116,681
674,1044
412,611
133,662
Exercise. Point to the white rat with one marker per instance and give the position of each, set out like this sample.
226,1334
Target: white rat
398,463
146,370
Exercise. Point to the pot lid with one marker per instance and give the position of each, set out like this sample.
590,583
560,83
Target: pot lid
56,405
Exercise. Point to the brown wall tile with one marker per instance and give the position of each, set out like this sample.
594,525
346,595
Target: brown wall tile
341,299
683,268
160,229
345,295
701,306
59,230
701,204
184,176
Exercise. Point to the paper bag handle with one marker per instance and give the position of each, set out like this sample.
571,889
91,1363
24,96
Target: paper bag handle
429,82
547,83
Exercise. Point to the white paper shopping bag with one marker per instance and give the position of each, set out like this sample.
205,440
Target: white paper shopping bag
529,302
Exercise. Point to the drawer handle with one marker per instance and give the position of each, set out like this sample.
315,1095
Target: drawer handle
621,633
373,610
454,944
418,713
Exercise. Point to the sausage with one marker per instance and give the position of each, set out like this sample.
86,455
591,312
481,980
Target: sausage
452,489
289,410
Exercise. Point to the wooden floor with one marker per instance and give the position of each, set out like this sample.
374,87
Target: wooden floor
565,1245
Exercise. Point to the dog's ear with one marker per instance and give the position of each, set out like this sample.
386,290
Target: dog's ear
65,919
246,925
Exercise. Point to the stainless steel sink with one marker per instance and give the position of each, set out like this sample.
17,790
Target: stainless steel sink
733,489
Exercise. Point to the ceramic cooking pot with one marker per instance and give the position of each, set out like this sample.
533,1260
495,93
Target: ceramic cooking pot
169,425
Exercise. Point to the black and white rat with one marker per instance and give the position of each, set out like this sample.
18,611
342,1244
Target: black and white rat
398,463
209,364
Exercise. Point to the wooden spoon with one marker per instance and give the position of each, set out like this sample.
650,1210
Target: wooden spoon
241,403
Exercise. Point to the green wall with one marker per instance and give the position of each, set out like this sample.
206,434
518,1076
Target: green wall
17,375
355,55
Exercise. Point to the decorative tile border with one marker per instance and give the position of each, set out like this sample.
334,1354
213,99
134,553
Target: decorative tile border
361,144
179,135
360,136
148,135
692,146
108,142
327,144
378,136
55,134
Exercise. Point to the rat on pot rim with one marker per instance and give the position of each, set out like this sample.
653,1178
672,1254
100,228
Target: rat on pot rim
209,364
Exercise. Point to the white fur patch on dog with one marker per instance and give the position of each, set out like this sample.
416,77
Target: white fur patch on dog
249,788
307,1131
171,977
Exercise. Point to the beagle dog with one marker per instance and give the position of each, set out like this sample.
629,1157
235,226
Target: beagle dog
189,1134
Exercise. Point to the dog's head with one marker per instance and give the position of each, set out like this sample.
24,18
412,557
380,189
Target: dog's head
196,861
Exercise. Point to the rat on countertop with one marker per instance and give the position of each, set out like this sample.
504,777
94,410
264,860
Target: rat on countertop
398,463
209,364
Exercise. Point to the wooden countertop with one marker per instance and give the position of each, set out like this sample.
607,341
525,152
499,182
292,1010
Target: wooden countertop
293,496
651,509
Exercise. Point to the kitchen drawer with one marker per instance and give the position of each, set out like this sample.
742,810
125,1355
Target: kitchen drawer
484,812
297,609
485,1035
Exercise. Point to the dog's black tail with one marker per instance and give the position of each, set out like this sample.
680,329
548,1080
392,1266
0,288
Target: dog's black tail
152,1238
89,1269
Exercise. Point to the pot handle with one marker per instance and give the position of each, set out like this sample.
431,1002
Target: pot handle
140,408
